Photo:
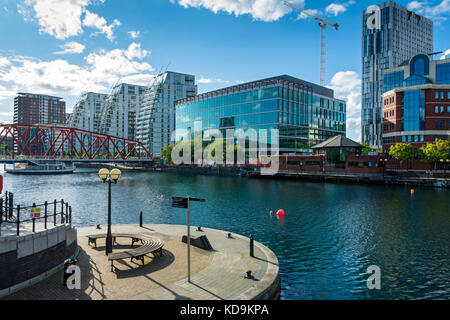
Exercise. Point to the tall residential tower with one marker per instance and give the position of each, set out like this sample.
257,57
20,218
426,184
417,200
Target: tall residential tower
156,118
392,35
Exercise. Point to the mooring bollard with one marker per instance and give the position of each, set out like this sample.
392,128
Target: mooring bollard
252,246
141,222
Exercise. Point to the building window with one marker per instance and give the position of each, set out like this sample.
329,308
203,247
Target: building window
442,124
403,138
436,109
442,96
442,109
421,138
436,95
436,124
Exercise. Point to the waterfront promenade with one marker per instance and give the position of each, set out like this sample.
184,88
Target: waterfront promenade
216,275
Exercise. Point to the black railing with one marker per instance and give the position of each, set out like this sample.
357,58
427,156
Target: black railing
51,212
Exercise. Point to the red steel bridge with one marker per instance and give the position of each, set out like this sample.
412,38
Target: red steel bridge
31,142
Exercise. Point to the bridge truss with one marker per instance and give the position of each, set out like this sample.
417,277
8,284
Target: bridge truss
49,142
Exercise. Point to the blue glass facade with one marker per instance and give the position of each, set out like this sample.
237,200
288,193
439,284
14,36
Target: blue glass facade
443,73
414,110
302,116
393,80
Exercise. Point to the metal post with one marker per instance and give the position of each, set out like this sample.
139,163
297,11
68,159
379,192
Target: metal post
189,238
45,215
109,235
141,224
62,211
1,215
18,220
252,245
54,213
6,204
67,212
70,215
11,205
33,208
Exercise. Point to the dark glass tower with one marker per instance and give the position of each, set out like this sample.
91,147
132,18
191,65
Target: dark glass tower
391,35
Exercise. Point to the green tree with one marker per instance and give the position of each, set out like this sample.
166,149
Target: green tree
166,153
367,148
435,152
402,152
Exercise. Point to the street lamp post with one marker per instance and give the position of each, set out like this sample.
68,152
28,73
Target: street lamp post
109,177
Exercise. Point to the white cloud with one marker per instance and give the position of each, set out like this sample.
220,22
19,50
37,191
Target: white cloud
71,47
337,8
6,94
308,13
101,70
93,20
58,18
265,10
64,18
211,81
444,56
134,34
135,51
436,12
347,86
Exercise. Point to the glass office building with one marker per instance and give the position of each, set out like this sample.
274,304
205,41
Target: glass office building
304,113
120,111
87,111
156,117
416,110
401,35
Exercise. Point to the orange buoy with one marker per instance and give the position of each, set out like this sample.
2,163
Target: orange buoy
280,213
413,191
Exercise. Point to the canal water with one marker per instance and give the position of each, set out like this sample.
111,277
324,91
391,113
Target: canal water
329,237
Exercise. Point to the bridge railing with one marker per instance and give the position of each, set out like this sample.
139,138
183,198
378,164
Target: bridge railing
51,213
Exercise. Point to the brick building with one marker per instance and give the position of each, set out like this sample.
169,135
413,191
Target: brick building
416,110
39,109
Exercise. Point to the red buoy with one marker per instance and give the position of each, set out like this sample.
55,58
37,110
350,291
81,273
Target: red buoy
280,213
271,212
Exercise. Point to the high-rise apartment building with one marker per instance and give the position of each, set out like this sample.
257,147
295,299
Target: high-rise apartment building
32,108
86,113
392,35
156,118
119,114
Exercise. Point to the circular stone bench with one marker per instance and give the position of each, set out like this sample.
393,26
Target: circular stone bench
149,245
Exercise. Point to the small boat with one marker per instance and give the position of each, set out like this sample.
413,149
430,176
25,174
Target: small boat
41,167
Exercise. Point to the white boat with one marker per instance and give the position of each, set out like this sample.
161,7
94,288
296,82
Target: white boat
40,167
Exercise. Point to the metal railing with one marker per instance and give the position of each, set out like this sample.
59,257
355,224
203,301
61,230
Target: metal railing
52,213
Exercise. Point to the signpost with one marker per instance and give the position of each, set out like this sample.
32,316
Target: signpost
185,203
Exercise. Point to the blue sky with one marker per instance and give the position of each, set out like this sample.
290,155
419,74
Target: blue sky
65,47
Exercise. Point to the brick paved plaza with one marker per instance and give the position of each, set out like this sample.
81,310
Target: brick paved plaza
217,274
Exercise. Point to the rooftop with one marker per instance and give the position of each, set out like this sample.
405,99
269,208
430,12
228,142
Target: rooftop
283,79
338,142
